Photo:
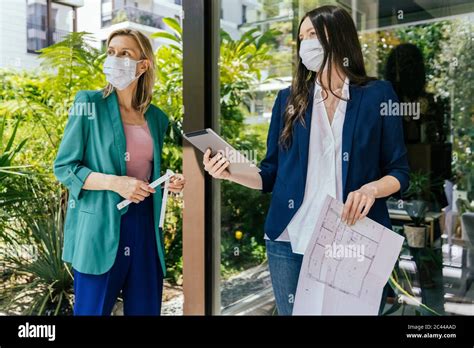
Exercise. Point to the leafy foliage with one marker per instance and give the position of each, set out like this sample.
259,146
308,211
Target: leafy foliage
36,276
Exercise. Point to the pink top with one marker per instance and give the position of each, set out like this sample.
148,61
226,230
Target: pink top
139,156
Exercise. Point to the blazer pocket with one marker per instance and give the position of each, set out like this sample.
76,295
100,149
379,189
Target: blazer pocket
88,202
87,211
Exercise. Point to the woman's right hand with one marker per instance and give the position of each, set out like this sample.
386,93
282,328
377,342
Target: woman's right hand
216,166
130,188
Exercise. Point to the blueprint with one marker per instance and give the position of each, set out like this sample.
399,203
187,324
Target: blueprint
345,267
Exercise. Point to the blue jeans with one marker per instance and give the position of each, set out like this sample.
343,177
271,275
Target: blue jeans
285,268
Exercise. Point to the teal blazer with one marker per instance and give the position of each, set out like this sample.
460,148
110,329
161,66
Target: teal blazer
94,141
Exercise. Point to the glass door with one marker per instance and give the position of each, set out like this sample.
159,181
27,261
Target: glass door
257,60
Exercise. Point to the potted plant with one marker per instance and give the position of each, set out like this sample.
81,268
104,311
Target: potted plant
416,209
416,231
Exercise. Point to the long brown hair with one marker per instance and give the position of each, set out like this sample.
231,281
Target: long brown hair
143,95
338,36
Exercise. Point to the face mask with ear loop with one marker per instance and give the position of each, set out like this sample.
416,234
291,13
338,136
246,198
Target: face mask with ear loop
120,72
312,54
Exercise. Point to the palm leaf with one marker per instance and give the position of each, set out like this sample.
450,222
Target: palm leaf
173,24
165,35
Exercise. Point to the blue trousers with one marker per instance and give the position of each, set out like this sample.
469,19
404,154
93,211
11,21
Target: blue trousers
136,272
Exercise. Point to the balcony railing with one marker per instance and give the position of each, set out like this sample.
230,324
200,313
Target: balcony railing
58,35
132,14
40,36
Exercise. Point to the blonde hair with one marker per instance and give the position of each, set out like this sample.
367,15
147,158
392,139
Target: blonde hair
142,98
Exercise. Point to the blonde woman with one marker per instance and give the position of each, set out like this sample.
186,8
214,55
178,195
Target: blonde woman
110,151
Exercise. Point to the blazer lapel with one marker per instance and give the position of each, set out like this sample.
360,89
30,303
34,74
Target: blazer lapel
350,121
119,134
303,134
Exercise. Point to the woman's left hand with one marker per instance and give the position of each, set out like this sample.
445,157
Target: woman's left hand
177,183
358,204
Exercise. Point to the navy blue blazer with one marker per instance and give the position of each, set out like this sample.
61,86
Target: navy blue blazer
372,147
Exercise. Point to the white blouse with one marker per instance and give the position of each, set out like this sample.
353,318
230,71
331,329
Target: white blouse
324,176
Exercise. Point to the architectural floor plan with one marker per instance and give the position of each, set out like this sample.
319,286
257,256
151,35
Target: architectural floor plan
345,267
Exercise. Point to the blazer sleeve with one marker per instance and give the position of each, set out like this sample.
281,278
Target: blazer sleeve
394,160
68,166
269,165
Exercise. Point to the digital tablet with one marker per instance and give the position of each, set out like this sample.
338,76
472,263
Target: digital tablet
240,161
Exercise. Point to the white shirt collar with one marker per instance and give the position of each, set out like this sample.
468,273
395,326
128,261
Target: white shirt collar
345,89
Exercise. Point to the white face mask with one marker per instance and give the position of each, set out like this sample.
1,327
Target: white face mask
312,54
120,72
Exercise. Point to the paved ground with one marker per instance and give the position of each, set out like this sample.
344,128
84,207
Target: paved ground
246,293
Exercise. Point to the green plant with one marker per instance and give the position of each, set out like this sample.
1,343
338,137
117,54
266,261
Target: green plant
173,242
37,281
416,206
418,187
8,153
240,64
416,210
420,191
41,99
240,254
13,178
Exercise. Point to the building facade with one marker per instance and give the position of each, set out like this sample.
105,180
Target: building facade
26,26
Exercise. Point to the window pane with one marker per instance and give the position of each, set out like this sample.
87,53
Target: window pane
106,12
36,24
62,21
